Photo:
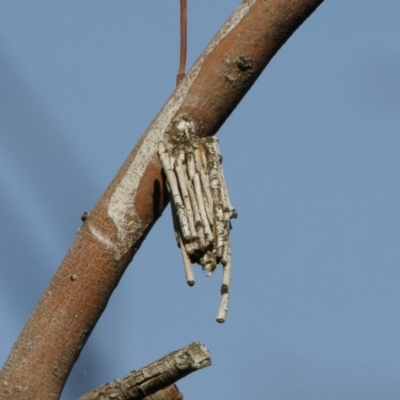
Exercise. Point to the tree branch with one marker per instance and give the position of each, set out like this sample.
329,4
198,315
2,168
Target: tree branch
169,393
62,321
158,375
183,42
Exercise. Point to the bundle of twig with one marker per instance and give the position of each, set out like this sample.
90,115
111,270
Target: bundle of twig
200,202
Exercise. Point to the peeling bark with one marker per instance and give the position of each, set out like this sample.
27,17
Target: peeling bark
51,341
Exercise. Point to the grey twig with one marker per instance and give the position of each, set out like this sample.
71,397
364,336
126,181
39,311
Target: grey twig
160,374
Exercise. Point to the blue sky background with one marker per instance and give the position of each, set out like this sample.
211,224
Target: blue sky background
311,157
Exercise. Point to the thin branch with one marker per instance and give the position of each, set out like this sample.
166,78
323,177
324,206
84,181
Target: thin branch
158,375
169,393
53,337
225,287
183,41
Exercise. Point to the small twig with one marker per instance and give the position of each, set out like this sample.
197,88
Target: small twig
182,58
158,375
199,196
196,212
225,287
205,181
225,196
182,178
215,185
187,264
176,197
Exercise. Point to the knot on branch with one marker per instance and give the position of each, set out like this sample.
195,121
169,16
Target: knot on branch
239,70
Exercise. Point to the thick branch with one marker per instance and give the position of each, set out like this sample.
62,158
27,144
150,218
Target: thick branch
158,375
54,335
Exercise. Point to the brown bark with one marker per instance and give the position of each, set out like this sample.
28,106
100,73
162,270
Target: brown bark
169,393
59,326
158,375
183,46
